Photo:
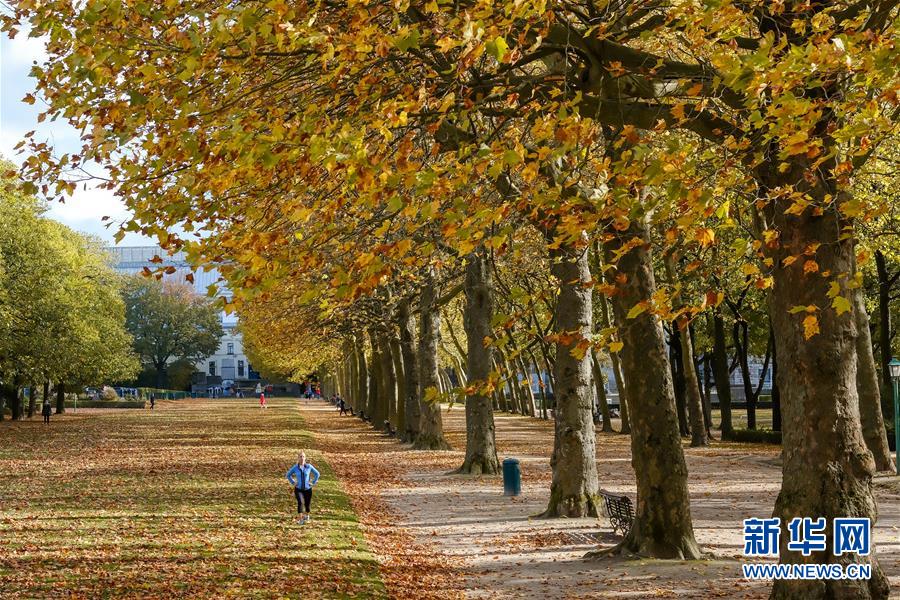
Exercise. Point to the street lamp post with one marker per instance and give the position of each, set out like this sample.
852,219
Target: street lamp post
894,366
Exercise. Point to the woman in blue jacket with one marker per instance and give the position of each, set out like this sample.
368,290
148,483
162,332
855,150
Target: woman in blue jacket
303,476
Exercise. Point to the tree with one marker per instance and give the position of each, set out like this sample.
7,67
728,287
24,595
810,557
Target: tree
61,312
169,322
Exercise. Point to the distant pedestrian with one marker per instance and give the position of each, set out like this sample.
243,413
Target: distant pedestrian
262,400
303,476
152,401
46,410
342,405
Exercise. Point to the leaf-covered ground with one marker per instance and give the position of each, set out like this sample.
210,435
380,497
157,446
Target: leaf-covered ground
493,549
188,500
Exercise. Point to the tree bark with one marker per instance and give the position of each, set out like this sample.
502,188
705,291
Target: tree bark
678,381
692,397
827,469
412,410
375,409
399,420
361,403
575,485
601,394
60,398
885,283
617,371
481,450
867,387
431,427
692,388
741,343
528,393
387,393
540,380
16,401
720,370
32,401
662,524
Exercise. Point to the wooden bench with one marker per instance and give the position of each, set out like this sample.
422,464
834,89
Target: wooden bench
619,510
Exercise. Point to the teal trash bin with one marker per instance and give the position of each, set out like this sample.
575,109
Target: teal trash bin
512,477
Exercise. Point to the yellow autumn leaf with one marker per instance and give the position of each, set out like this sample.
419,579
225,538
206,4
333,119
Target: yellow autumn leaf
841,304
810,326
637,309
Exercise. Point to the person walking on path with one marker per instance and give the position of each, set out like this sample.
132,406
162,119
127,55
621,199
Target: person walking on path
152,401
303,476
46,411
342,405
262,400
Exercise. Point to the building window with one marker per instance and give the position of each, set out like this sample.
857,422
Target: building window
212,367
240,368
230,347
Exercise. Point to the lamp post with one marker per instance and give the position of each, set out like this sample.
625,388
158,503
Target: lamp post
894,366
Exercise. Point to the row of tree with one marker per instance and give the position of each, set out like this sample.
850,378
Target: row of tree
347,165
68,319
62,320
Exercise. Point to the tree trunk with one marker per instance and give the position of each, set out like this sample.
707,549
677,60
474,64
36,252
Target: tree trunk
827,469
885,283
707,392
741,347
692,389
692,397
161,376
361,403
375,409
15,401
540,381
599,382
867,387
574,486
60,398
431,427
399,420
720,370
678,380
617,371
662,524
776,392
387,393
481,450
32,400
412,410
526,388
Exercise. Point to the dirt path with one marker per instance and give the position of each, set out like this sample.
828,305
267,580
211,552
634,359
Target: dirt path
501,553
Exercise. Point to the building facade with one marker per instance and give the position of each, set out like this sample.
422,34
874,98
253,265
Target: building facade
229,363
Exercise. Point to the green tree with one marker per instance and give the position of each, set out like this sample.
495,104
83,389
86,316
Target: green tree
169,322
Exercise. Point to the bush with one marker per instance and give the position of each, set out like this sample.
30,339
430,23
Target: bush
756,436
108,394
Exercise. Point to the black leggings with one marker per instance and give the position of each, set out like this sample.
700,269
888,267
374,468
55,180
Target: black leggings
304,497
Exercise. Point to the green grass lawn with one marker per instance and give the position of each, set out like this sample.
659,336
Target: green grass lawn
189,500
739,418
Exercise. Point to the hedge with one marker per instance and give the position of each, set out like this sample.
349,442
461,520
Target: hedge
756,436
107,404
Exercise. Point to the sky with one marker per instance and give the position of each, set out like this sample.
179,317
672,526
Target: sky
86,208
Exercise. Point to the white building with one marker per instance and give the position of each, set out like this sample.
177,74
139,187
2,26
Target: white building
229,362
